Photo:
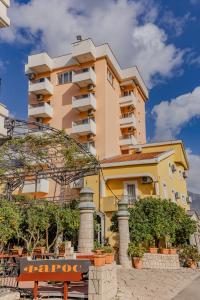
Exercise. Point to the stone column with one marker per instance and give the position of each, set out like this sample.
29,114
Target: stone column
156,187
86,229
124,237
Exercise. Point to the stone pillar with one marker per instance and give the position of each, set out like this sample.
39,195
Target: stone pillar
124,237
86,229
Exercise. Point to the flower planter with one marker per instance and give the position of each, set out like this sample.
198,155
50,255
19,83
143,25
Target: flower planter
137,262
98,251
153,250
99,260
17,251
164,251
191,264
172,251
109,258
40,250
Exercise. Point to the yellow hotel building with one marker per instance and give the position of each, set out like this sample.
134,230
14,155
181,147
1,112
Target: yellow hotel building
149,170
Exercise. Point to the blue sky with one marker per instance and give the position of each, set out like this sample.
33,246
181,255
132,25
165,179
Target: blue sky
160,37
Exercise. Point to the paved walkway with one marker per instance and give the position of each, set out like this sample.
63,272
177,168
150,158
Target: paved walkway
191,292
156,284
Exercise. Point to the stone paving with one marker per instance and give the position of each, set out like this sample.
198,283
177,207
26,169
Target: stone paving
153,284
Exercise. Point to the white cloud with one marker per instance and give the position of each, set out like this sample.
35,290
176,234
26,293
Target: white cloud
171,116
129,27
193,179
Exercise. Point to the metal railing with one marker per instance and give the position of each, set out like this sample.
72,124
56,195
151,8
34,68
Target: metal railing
127,115
83,122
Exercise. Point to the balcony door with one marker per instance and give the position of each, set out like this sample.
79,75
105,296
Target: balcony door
130,190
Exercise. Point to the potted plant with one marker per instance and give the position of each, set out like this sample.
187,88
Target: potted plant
40,249
164,250
190,255
109,254
17,250
98,248
152,247
172,250
99,260
136,252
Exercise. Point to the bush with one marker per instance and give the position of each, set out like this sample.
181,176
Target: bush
189,252
154,219
136,250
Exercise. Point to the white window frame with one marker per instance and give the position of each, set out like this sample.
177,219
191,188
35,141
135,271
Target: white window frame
165,191
131,182
63,74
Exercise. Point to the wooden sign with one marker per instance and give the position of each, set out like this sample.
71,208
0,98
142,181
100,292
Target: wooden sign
54,266
64,270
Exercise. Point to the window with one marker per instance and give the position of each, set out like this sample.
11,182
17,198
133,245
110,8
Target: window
170,170
173,196
65,77
128,93
130,191
110,77
183,198
165,192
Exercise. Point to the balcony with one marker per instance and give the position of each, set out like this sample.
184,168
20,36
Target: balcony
90,146
84,51
4,20
84,77
41,87
42,187
110,204
40,110
39,63
84,102
83,127
127,140
128,100
3,114
127,120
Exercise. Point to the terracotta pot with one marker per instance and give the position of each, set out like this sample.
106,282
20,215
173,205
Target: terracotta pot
172,251
137,262
99,260
40,250
109,258
164,251
191,264
153,250
17,251
98,251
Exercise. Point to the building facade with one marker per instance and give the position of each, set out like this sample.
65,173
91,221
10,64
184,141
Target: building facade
150,170
4,19
87,94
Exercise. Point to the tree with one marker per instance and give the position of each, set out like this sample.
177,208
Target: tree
9,221
156,219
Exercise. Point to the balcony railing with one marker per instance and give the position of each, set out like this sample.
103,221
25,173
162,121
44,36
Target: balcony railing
127,140
84,77
84,102
111,203
42,86
40,110
128,100
127,120
4,20
91,147
84,51
39,63
42,187
83,127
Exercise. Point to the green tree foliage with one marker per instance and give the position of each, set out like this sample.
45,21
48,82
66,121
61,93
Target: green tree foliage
156,219
35,224
9,221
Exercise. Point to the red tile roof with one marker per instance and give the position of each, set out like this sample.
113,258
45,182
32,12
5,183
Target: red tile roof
131,157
